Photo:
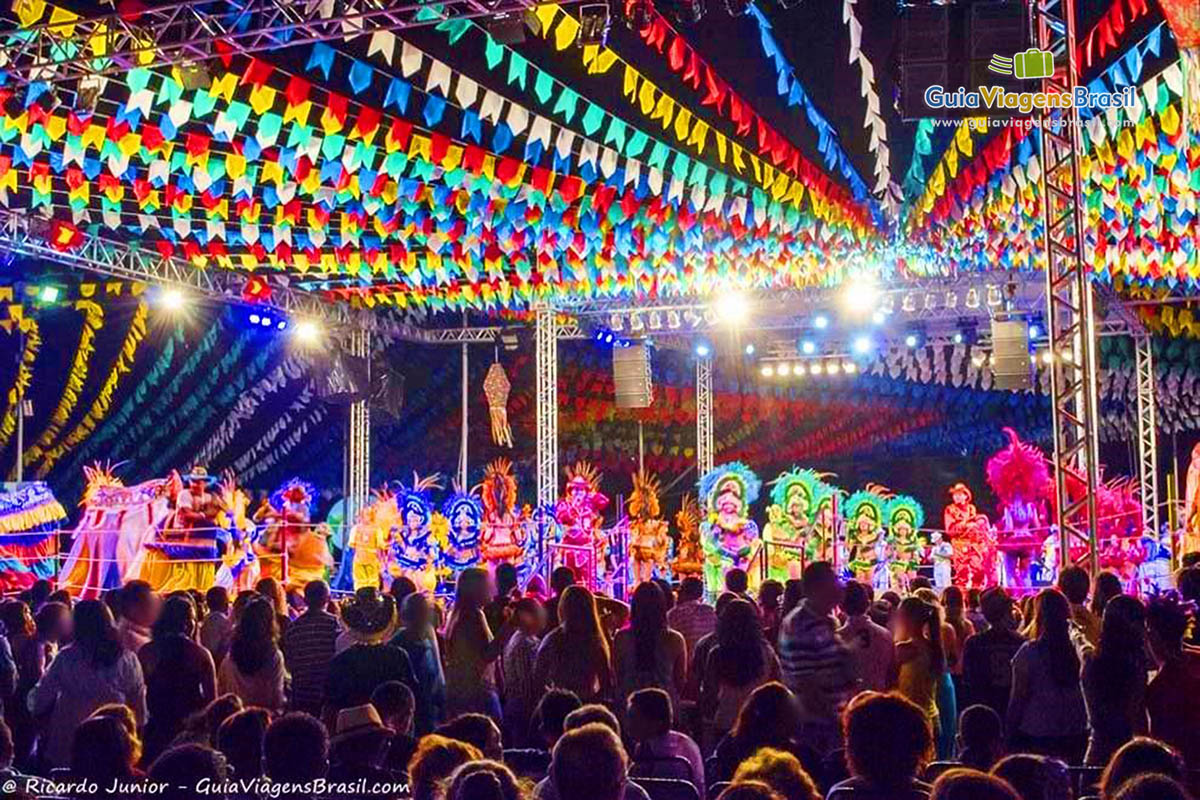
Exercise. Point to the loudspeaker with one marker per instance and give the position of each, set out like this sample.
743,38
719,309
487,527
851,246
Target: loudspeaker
631,376
1011,369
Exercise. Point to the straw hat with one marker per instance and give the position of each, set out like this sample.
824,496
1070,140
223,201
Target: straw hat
358,721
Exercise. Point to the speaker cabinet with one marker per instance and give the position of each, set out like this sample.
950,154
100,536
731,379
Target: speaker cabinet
631,376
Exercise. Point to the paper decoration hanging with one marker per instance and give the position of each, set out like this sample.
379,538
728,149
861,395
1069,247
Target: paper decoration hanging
496,388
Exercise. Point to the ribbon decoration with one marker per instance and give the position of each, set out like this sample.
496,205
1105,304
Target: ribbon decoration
289,443
122,365
914,178
872,119
33,343
93,321
1104,34
255,453
246,407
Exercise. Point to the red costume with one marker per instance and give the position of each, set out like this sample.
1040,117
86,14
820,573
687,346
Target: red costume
971,536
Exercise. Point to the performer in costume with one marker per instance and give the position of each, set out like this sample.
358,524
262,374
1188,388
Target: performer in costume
503,529
463,513
239,568
649,539
579,514
970,536
1191,505
904,520
794,502
689,555
1020,478
288,516
413,550
184,555
942,554
370,538
727,534
820,543
869,550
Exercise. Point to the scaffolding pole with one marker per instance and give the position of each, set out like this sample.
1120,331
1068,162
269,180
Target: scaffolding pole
358,439
1147,432
546,344
704,417
1069,297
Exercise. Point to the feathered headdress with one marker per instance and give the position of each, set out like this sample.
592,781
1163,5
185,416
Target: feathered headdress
688,516
865,501
643,500
99,476
498,474
1019,472
294,491
459,499
903,508
584,473
735,471
809,480
418,497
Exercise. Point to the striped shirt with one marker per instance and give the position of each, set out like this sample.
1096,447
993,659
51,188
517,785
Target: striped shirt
308,649
695,619
817,666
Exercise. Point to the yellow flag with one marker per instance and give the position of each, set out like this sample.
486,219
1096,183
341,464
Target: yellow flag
565,33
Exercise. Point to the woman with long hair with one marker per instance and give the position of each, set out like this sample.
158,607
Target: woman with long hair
31,660
1106,587
471,649
91,672
741,661
954,602
648,654
920,655
1114,680
253,670
575,655
770,717
1046,712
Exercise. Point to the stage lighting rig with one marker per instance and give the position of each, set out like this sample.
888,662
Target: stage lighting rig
685,12
594,22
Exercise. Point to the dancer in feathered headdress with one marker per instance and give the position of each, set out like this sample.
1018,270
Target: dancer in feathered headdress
649,539
795,497
503,538
728,535
413,551
371,536
579,512
866,539
904,520
464,513
1020,477
689,555
240,568
288,515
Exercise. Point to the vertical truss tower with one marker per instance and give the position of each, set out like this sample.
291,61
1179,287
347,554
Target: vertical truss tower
358,440
704,417
546,345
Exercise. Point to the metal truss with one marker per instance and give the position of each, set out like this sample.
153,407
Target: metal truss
704,417
187,32
490,334
358,437
1147,432
546,390
1070,299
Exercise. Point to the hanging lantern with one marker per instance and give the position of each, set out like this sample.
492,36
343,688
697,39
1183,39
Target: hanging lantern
496,388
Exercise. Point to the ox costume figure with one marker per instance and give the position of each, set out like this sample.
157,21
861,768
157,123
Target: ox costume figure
727,534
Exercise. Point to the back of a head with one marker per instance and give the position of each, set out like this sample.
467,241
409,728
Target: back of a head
750,790
767,715
592,714
395,702
856,599
737,581
817,575
561,578
980,726
240,737
316,594
177,618
1152,787
483,780
101,749
217,599
649,712
552,710
1075,584
477,730
1140,756
1187,581
188,769
434,761
295,748
691,588
589,762
95,632
781,771
970,784
506,578
1035,777
872,719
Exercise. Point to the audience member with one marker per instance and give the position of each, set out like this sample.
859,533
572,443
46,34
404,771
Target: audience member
987,656
954,604
201,727
1114,680
521,691
815,663
483,780
741,661
436,759
1075,584
888,743
782,771
216,631
240,737
358,747
354,673
698,655
308,649
478,730
1140,756
499,608
191,770
124,715
737,582
649,654
93,670
974,612
589,762
295,750
1173,695
575,655
104,753
691,616
970,784
770,595
550,715
272,589
419,641
1152,787
921,658
9,775
1106,586
872,650
396,706
19,675
769,718
139,608
472,650
561,579
980,737
254,669
589,713
648,726
179,674
749,790
1046,713
793,593
1036,777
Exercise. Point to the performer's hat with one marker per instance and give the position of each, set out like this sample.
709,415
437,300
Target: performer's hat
369,616
199,473
961,487
356,722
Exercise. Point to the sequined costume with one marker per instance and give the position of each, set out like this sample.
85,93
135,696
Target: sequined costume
503,530
904,518
970,537
463,512
649,538
790,536
1020,478
579,512
240,568
412,550
866,540
729,537
689,555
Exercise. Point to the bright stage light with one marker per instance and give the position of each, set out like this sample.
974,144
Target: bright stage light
254,319
808,347
800,370
815,369
784,370
172,300
703,350
1034,331
879,318
307,332
265,322
750,349
1047,357
958,338
732,308
860,295
820,322
767,371
849,367
833,368
862,345
910,340
49,294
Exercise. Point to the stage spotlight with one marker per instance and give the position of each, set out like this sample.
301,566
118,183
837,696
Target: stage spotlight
849,367
594,22
638,13
767,371
815,369
750,349
281,325
833,368
254,318
654,320
808,347
49,294
1047,357
703,350
307,332
860,295
171,299
862,345
1068,356
958,337
800,370
608,338
266,322
910,340
1034,331
732,308
820,322
784,370
879,318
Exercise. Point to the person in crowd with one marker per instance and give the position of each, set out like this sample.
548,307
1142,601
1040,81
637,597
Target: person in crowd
769,718
1036,777
781,771
139,608
1075,584
955,606
888,772
1140,756
396,706
691,616
254,669
179,674
521,691
358,747
793,593
589,713
945,690
478,730
738,582
93,670
272,589
1187,582
216,631
589,762
124,715
575,655
295,750
104,753
435,760
872,650
970,784
1046,712
419,641
1114,680
308,649
815,664
648,726
921,658
1152,787
980,737
356,672
37,594
29,661
1173,695
498,609
472,650
201,727
550,716
648,654
770,595
698,655
483,780
741,661
987,656
974,612
192,770
240,738
1106,587
16,781
561,579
